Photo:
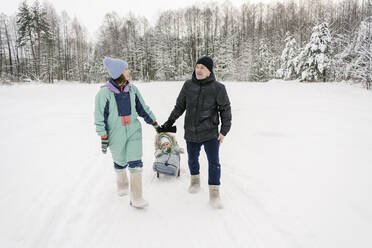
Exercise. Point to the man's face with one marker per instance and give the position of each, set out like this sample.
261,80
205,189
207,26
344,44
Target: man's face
201,72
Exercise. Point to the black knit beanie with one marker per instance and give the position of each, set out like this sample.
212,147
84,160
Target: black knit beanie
207,62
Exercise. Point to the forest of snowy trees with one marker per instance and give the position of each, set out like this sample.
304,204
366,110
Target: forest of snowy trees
309,40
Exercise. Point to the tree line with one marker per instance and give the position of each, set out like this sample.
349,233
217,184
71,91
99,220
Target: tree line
310,40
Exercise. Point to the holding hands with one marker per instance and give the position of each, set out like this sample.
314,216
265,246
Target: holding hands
166,127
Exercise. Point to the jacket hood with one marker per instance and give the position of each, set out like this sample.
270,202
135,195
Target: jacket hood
166,135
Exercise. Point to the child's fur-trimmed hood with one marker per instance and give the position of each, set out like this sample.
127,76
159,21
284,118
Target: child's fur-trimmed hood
166,135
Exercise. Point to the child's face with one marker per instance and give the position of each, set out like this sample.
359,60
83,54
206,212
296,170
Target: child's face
165,145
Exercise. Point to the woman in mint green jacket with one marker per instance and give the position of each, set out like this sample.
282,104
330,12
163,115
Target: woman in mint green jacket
117,106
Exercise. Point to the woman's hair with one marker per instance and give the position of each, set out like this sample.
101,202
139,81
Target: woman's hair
120,80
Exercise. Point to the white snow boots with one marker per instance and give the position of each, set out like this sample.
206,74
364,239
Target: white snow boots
214,197
195,184
136,199
214,192
122,182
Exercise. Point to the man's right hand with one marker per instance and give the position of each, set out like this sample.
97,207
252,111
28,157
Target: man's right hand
167,127
104,143
168,124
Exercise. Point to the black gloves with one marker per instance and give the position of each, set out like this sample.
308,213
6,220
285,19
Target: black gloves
168,124
168,127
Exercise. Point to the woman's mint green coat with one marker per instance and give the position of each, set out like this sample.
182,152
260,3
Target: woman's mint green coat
125,141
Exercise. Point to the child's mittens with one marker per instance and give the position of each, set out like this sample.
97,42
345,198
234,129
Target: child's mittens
167,150
182,150
157,153
104,143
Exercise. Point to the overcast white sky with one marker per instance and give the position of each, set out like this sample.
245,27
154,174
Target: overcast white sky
90,13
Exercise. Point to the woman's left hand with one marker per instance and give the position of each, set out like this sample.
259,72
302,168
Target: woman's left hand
156,126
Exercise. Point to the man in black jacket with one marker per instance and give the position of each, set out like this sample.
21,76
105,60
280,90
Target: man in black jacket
206,102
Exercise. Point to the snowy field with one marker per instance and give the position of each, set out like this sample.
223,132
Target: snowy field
296,172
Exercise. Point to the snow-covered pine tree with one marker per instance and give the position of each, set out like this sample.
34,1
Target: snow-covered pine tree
26,35
49,60
2,53
6,55
264,65
224,59
341,61
243,63
33,30
161,65
361,65
314,59
150,55
41,28
287,69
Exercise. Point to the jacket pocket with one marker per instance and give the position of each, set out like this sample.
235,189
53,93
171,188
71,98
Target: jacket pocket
203,115
215,119
211,115
189,122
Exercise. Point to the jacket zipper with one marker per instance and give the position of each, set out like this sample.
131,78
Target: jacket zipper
197,112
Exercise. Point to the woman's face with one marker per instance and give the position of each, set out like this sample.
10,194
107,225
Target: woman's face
201,72
126,74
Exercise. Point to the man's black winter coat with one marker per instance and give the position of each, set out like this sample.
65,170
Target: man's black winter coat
206,102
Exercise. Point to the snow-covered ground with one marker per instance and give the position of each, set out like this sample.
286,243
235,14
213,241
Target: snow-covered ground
296,172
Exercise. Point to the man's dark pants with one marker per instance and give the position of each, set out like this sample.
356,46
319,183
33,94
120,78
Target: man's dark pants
211,147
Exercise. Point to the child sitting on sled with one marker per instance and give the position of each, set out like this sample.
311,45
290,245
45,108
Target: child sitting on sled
167,155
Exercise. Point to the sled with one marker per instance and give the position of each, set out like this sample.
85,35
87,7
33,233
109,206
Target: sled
167,164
